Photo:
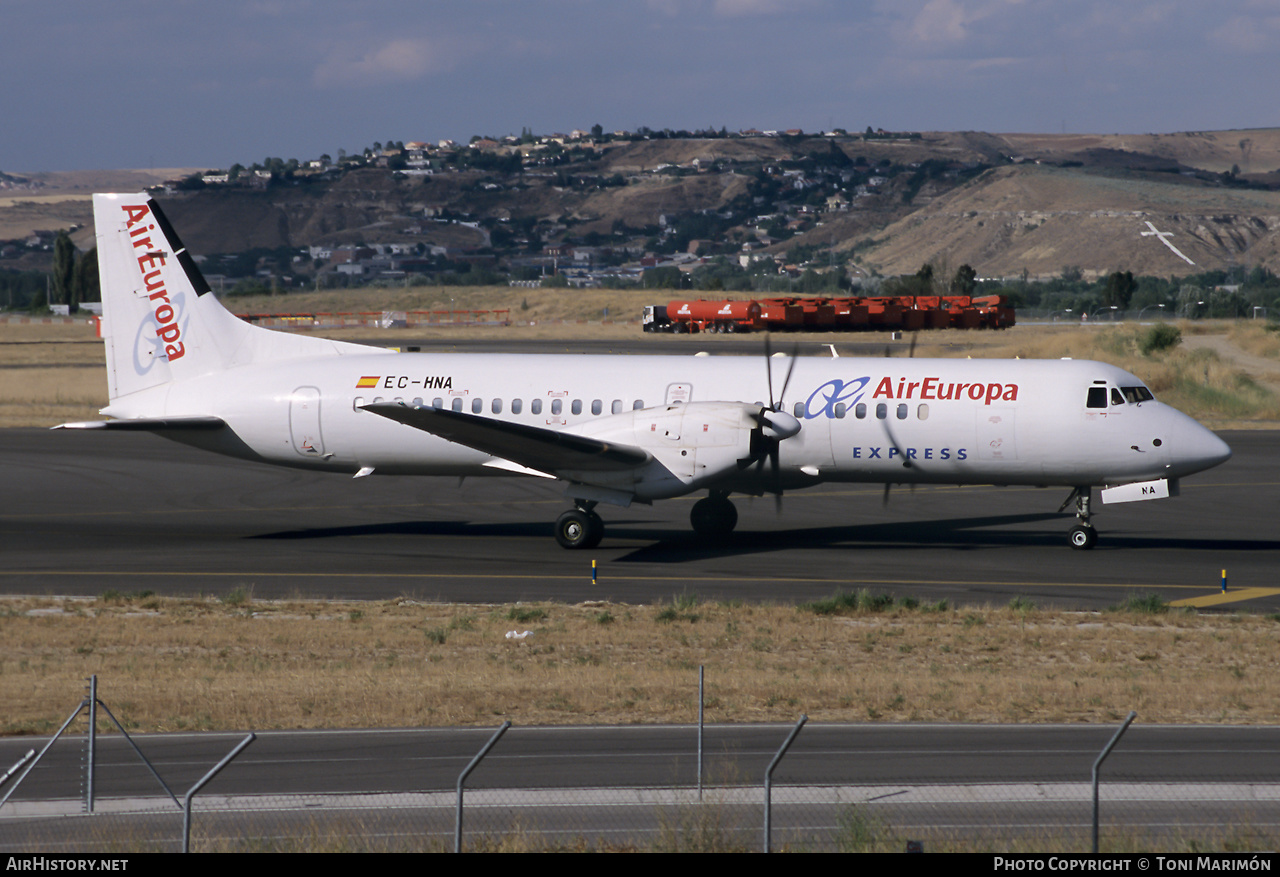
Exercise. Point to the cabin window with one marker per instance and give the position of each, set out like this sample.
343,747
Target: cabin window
457,404
1097,397
596,406
1116,398
417,403
882,411
797,410
437,402
860,410
923,412
841,408
556,406
477,405
637,405
496,406
535,406
616,408
516,406
902,411
356,403
576,407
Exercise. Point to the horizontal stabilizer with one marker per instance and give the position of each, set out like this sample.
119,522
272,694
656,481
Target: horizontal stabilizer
150,424
533,447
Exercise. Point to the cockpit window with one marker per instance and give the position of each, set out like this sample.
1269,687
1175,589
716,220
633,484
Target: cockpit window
1097,397
1116,398
1137,394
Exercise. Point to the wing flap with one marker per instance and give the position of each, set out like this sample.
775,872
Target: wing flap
532,447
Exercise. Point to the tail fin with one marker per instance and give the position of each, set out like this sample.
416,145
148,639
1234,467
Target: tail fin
161,322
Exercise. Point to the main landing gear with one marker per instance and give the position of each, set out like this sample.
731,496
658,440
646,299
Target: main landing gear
714,517
1082,535
580,527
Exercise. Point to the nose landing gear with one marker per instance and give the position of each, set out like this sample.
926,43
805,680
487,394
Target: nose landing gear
1082,535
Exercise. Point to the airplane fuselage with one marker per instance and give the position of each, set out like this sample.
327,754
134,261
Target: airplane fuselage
949,421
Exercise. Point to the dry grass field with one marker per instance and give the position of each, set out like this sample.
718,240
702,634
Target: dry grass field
230,662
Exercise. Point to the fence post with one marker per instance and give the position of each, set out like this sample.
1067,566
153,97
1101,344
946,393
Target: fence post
93,739
462,778
186,802
701,702
768,784
1097,764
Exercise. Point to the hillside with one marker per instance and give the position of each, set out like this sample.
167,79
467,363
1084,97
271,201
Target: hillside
1003,203
1041,218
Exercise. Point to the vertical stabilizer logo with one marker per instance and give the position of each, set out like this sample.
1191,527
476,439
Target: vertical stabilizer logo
151,260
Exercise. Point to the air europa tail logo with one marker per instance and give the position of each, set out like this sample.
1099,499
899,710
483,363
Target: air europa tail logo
151,259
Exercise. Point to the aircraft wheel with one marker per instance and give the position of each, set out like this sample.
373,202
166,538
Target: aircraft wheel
579,529
713,517
597,530
1083,537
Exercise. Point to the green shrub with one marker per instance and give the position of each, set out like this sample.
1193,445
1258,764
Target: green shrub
1159,338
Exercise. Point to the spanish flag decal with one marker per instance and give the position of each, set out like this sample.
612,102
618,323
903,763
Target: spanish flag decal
367,382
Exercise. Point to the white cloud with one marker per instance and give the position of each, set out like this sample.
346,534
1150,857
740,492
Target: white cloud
396,61
754,7
940,21
1248,34
952,21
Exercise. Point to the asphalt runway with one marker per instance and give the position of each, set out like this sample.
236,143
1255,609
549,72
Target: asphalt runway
989,783
87,512
430,759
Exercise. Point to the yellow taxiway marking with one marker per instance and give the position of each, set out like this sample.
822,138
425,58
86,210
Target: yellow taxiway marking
605,577
1218,598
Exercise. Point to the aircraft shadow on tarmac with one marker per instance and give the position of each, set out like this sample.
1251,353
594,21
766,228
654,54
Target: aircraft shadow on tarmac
957,534
669,545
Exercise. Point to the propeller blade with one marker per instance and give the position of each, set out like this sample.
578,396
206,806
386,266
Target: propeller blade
795,351
912,353
902,455
768,367
777,489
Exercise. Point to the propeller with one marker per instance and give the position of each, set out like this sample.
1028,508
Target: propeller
906,462
775,424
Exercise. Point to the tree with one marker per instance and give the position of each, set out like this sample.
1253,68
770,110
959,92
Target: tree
965,281
64,257
1119,289
84,281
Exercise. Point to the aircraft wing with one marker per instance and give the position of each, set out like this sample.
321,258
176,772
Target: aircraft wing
544,450
149,424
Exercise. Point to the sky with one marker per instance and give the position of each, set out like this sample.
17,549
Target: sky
91,84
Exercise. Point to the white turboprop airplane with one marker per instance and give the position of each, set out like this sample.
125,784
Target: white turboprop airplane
613,429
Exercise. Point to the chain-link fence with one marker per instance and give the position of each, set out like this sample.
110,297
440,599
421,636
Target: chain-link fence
839,787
